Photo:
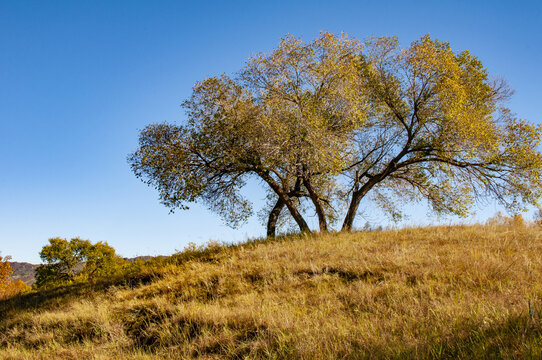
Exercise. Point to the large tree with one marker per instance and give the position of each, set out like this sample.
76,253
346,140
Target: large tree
438,129
285,119
326,123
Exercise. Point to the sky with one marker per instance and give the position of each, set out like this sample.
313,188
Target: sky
80,79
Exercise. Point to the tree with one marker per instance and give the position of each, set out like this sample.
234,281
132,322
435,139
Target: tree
8,287
285,120
323,124
77,259
438,129
5,272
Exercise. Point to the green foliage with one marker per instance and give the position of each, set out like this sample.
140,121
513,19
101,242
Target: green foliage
76,260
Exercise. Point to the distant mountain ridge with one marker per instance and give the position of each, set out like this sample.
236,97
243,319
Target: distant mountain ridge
25,271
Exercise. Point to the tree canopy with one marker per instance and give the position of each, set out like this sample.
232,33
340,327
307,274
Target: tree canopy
327,123
76,259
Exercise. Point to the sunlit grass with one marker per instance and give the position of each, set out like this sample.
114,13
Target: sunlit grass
435,292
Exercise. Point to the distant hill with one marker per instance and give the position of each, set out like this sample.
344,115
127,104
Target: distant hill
23,271
144,258
448,292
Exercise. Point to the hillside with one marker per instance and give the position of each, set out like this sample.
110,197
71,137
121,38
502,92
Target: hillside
23,271
436,292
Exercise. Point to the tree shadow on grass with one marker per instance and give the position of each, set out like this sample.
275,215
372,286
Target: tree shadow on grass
517,337
56,297
151,270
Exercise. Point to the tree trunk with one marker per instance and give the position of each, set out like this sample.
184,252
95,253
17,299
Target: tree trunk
322,222
273,217
351,214
303,227
357,195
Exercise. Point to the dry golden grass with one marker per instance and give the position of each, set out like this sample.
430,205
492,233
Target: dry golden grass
421,293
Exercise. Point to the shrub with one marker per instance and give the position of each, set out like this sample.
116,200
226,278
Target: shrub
8,287
76,260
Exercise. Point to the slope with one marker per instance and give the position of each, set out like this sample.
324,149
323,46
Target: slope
435,292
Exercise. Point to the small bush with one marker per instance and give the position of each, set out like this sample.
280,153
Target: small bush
76,260
8,287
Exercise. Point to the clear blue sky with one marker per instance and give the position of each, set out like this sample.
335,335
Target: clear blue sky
78,79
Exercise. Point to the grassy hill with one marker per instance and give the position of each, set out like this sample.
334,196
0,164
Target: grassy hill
437,292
